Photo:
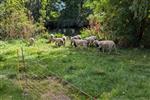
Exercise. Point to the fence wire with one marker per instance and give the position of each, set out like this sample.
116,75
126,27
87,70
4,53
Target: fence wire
30,76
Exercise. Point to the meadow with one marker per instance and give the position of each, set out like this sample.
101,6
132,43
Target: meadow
121,76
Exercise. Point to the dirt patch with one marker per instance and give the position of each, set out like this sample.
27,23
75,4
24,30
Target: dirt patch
51,96
49,88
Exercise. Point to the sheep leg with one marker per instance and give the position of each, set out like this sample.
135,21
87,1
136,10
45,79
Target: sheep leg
109,51
55,43
71,43
89,43
85,45
103,50
64,43
98,49
115,49
75,45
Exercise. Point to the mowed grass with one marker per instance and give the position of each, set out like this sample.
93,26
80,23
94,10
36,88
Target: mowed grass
122,76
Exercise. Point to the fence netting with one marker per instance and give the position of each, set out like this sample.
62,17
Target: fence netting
40,83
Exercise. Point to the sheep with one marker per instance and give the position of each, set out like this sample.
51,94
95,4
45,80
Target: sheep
90,40
52,35
105,45
64,38
31,41
96,43
59,41
51,38
75,37
78,43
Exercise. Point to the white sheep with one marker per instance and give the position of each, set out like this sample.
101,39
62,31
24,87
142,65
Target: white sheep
31,41
59,41
106,45
75,37
90,40
64,38
50,40
96,43
78,43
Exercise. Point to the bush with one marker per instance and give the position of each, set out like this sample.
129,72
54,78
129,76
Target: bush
85,33
59,35
124,41
2,58
88,32
40,29
15,20
45,35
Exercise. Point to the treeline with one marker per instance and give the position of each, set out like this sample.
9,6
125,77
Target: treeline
126,21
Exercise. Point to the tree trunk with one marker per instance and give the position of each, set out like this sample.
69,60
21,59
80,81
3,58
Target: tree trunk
140,32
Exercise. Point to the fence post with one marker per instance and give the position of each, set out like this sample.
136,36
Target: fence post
18,69
22,71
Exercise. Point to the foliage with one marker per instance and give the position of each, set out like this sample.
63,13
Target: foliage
85,33
122,18
118,18
14,21
107,18
40,29
45,35
59,35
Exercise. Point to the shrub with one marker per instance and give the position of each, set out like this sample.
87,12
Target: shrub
40,29
59,35
15,20
2,58
88,32
45,35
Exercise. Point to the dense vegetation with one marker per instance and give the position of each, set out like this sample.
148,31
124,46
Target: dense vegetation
121,20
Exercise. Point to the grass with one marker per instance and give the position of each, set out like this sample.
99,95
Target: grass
123,76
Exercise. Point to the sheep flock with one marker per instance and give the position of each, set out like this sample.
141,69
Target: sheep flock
77,41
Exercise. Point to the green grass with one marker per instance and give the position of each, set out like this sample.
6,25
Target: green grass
123,76
10,91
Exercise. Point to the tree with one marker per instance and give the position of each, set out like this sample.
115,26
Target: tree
14,21
74,13
123,17
140,10
34,6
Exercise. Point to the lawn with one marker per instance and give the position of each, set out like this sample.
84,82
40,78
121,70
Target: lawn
122,76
